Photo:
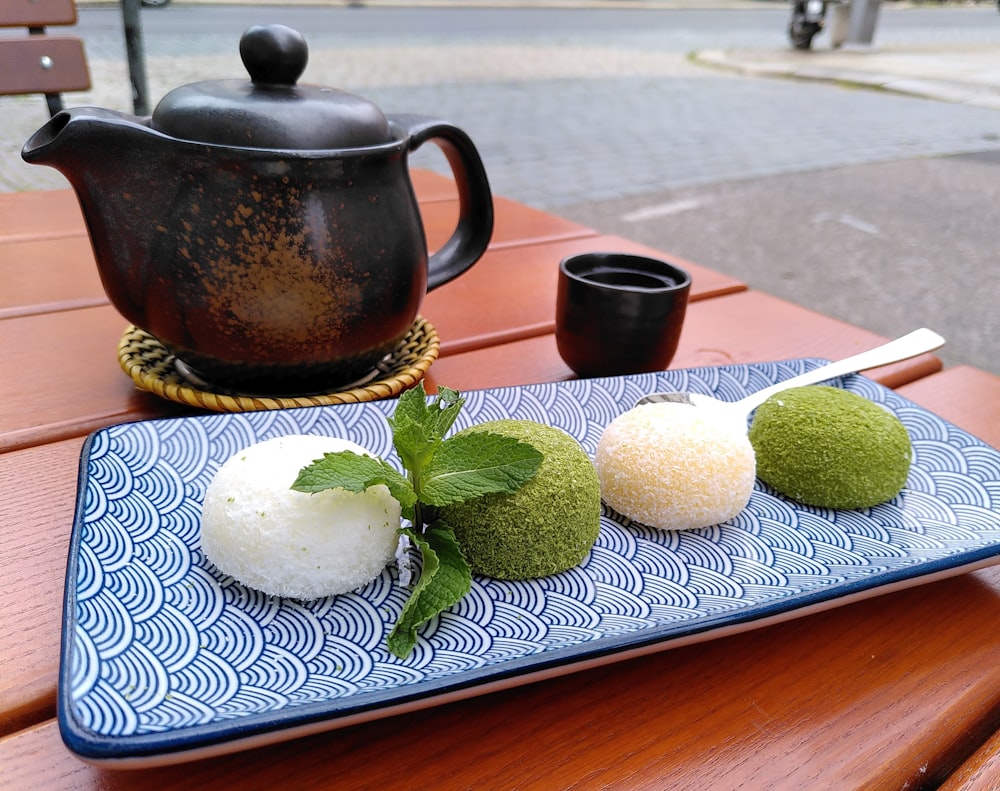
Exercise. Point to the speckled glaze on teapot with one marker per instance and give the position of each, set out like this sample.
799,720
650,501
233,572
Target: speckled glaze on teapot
266,233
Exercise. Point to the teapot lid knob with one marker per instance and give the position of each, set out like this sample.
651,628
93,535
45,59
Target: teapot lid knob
271,111
274,54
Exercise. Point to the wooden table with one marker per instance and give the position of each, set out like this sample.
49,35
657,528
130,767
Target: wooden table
891,692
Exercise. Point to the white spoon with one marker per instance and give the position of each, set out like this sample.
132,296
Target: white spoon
910,345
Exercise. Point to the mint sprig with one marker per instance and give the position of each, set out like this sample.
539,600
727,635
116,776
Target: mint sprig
437,472
444,579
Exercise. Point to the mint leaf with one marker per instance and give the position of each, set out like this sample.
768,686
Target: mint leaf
444,579
471,465
449,403
418,427
415,445
355,473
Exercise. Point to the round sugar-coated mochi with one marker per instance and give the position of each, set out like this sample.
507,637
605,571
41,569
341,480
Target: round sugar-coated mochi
829,447
675,466
256,529
548,525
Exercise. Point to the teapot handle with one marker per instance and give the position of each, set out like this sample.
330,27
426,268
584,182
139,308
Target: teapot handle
475,216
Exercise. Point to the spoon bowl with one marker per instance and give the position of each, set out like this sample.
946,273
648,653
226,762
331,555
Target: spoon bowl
903,348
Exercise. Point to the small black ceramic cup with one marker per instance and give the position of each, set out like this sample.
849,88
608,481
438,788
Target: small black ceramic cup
618,313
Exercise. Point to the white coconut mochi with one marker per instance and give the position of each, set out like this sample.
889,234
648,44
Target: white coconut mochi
258,530
675,466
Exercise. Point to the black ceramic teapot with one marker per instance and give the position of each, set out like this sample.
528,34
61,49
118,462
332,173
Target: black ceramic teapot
266,233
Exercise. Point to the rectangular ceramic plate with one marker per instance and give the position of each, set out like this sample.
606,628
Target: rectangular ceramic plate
164,659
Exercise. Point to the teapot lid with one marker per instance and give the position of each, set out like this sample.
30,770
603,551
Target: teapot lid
271,111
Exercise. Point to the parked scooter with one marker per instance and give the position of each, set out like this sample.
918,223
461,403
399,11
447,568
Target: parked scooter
807,20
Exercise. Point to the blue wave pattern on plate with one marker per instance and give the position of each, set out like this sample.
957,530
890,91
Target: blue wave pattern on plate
162,650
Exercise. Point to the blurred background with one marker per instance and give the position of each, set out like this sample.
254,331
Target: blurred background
860,181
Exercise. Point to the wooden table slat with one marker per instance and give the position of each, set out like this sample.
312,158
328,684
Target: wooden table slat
511,293
39,275
33,563
980,771
40,214
719,331
46,275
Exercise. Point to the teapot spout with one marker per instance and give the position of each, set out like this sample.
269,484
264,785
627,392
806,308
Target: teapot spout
119,168
71,137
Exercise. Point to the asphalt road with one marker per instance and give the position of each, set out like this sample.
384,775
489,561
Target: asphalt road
874,208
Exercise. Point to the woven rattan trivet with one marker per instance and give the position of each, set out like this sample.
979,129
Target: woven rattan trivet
153,368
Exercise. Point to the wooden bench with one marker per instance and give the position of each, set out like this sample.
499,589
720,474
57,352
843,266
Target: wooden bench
39,62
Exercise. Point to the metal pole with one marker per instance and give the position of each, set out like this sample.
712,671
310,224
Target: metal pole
864,17
136,56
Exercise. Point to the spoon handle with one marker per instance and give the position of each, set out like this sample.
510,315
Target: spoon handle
909,345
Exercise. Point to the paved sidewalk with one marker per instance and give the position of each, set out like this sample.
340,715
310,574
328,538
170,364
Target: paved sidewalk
966,74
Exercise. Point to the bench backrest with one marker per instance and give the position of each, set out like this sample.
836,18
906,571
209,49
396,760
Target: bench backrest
39,62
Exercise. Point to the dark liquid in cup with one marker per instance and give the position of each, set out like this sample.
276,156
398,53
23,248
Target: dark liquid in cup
631,278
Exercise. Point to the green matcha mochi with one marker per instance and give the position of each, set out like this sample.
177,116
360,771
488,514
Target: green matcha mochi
548,525
829,447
